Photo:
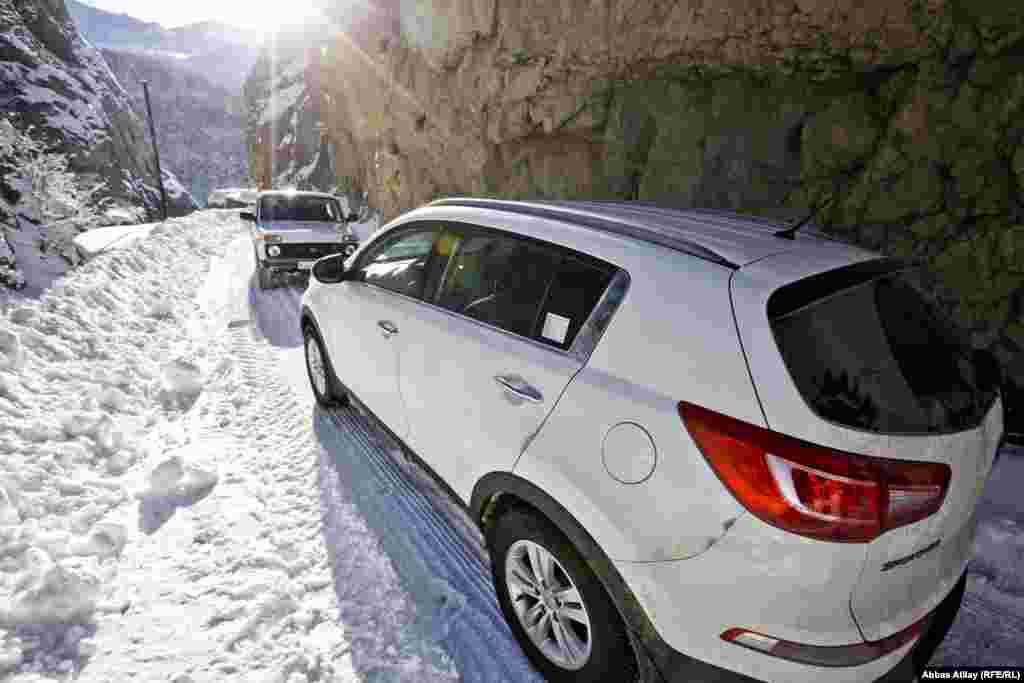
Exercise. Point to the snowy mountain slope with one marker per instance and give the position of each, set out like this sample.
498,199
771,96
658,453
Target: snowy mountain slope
52,79
201,139
221,53
174,508
104,28
59,95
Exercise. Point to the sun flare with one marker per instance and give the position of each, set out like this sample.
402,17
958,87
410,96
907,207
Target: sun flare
268,17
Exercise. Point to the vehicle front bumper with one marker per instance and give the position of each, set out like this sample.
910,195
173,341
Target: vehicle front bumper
287,264
303,261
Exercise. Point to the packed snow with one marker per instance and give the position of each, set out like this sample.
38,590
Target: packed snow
226,197
98,240
173,507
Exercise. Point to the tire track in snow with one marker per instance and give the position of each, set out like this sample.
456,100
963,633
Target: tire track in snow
375,611
426,547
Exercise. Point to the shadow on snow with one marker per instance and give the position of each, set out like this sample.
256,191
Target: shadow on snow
448,583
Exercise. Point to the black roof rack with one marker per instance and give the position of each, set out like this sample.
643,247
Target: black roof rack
661,234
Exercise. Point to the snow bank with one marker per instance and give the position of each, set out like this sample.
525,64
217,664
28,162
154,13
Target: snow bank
231,197
98,240
87,370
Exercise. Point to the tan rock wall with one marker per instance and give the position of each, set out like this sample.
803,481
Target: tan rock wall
904,119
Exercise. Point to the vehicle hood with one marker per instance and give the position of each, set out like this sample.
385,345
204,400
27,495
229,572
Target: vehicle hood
307,231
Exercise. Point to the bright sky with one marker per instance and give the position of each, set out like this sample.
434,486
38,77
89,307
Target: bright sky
252,14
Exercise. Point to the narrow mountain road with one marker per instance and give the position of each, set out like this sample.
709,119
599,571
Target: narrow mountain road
174,507
403,556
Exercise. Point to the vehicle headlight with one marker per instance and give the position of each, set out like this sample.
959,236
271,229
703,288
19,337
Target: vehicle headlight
267,237
273,250
350,249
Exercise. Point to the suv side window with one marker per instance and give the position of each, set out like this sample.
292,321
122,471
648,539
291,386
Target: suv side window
577,287
399,263
498,280
535,290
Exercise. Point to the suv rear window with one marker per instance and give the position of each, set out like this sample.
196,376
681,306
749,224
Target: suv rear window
867,349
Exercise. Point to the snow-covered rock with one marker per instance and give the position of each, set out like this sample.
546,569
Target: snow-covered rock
59,93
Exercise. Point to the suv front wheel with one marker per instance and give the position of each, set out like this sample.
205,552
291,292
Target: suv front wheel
557,608
264,277
321,374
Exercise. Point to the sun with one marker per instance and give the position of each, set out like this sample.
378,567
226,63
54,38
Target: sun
266,17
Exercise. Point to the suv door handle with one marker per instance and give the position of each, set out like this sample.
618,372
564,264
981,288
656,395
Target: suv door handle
387,327
520,388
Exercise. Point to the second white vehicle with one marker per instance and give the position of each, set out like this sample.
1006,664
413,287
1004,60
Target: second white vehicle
293,229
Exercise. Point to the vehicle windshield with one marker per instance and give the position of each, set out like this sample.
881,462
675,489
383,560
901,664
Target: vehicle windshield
299,208
879,355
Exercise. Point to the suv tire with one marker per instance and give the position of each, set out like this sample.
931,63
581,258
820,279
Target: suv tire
264,277
568,596
326,389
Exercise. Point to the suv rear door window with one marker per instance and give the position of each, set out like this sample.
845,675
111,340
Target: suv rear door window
498,280
528,288
877,355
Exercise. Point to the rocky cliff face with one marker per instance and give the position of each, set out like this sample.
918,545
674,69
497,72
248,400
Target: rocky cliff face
56,83
285,128
902,121
73,155
199,124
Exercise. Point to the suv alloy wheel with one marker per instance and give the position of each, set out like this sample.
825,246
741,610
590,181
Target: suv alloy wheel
557,608
320,371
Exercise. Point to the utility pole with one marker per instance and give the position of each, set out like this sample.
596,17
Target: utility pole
156,150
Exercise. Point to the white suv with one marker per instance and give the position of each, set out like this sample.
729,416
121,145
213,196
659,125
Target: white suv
700,447
293,229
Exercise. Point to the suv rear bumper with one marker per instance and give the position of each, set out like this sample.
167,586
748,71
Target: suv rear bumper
672,666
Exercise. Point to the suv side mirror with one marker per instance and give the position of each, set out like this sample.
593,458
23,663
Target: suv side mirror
330,269
247,216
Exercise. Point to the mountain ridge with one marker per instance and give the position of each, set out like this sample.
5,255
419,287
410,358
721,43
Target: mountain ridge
219,51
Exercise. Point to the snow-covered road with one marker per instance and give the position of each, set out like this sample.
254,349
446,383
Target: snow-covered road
173,507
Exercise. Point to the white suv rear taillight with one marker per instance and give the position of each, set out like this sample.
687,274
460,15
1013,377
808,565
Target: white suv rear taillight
812,490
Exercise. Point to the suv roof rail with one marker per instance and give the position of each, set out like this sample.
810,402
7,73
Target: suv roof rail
588,214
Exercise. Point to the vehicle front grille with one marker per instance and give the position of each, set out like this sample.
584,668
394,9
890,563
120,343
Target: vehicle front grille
311,251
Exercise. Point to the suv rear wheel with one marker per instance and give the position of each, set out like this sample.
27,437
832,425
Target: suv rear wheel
321,374
557,608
